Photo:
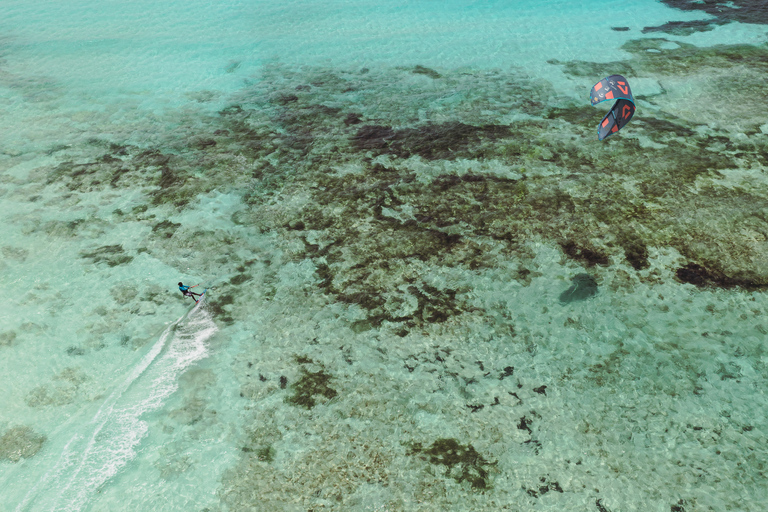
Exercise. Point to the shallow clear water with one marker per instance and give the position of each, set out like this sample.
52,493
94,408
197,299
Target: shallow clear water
386,201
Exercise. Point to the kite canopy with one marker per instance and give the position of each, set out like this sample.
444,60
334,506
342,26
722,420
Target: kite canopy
614,87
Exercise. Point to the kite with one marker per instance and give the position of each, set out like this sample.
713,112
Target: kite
610,88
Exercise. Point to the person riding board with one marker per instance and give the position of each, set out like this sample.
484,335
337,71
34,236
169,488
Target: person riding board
185,291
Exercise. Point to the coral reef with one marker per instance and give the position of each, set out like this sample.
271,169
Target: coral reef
394,212
407,231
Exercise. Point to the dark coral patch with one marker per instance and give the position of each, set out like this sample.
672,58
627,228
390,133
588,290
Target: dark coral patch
581,115
152,157
421,70
165,176
591,70
218,305
743,11
636,253
463,462
112,255
373,137
444,141
165,229
204,142
119,173
353,118
168,178
433,306
88,176
310,385
584,254
660,55
285,99
662,127
543,488
306,119
240,279
696,275
685,28
600,506
700,276
400,243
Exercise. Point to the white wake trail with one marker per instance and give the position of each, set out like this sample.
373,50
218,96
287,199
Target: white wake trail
107,443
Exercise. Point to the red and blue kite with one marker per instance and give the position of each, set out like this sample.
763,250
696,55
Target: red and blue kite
610,88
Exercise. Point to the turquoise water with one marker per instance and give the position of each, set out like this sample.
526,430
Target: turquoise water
387,201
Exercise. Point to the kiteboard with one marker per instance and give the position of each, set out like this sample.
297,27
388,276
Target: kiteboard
201,296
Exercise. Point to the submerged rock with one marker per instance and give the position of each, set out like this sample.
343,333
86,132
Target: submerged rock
20,443
584,286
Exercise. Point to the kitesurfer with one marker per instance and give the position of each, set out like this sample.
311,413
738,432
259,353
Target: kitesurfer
185,291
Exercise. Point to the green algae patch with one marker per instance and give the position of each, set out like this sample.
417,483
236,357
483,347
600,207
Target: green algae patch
310,385
20,442
462,462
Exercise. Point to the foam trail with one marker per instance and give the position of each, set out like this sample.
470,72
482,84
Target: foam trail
106,443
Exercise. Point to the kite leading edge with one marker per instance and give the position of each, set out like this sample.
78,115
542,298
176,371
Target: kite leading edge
609,88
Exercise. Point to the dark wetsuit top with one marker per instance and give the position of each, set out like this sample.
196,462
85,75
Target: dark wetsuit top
185,291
